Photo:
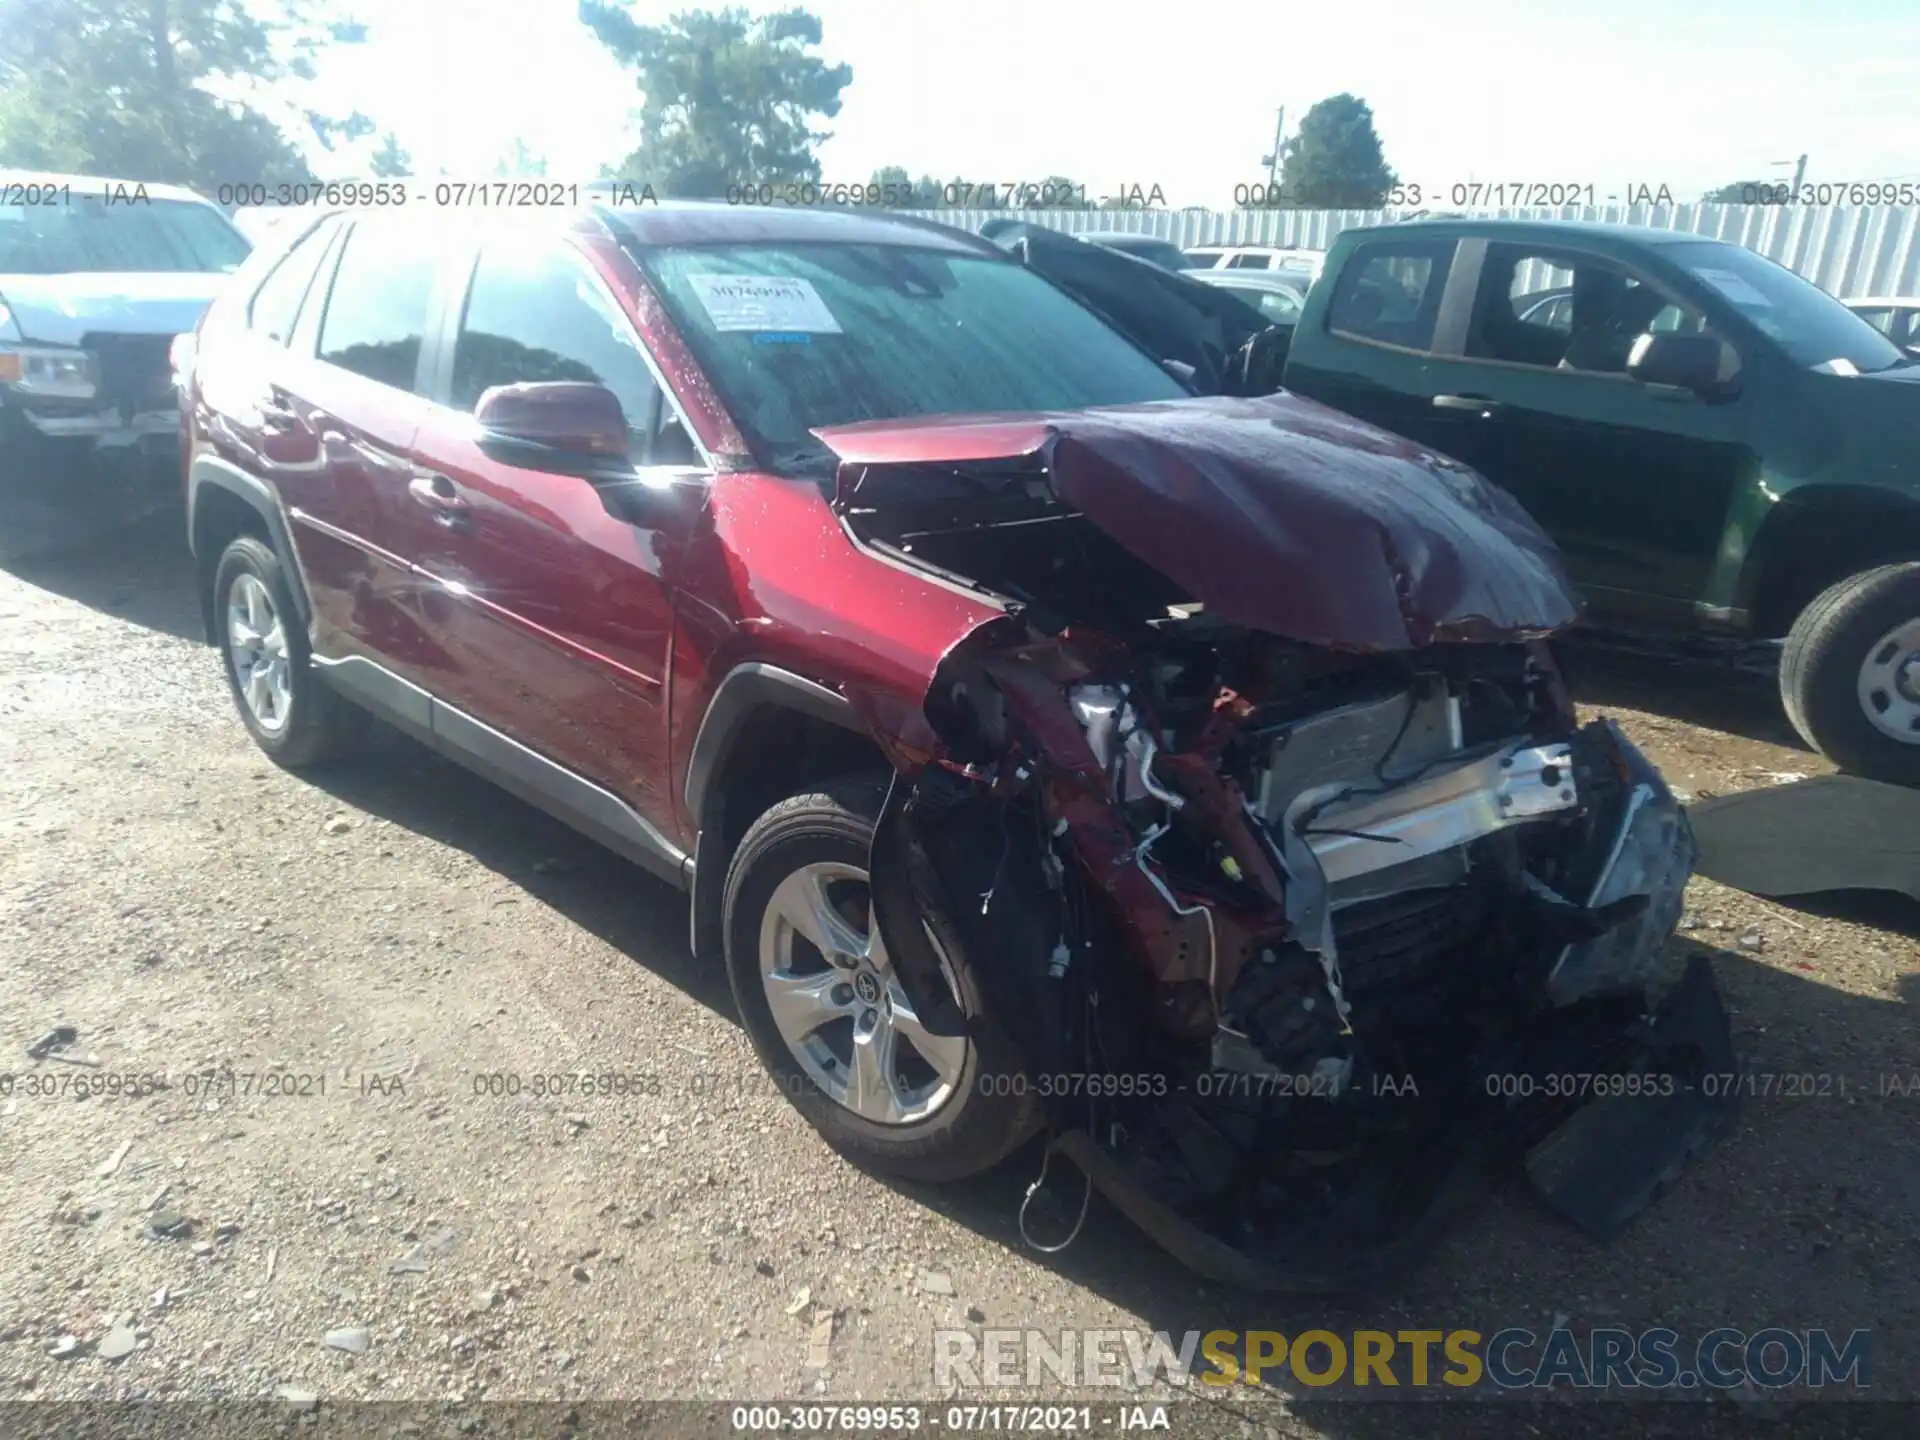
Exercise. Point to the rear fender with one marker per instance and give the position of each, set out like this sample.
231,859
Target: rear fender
212,483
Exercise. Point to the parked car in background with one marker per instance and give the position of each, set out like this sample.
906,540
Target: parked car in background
97,277
1724,452
1552,307
1008,710
1150,248
1194,328
1277,296
1896,317
257,222
1259,257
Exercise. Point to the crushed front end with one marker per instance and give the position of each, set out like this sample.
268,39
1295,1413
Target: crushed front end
1299,940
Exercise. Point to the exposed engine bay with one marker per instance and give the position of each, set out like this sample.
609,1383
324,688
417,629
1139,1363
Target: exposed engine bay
1297,941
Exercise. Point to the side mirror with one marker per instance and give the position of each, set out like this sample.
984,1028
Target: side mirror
562,425
1690,362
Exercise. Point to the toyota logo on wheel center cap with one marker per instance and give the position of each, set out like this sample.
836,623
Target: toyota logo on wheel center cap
867,986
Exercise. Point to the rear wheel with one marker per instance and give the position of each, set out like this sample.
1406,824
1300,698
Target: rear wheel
828,1016
1850,673
294,718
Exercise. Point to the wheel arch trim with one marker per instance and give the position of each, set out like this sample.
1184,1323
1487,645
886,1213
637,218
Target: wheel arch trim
1811,510
748,687
212,473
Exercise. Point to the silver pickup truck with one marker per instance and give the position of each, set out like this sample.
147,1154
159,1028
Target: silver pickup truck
96,278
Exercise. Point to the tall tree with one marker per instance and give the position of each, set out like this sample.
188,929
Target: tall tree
1056,192
146,89
1743,192
1334,160
907,193
730,97
390,161
521,160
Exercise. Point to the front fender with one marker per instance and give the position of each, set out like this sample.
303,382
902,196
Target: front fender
1809,536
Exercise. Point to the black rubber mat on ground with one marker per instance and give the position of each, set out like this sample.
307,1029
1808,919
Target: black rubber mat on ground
1832,835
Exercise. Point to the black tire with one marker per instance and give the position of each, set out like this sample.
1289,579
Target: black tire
319,724
1821,666
976,1127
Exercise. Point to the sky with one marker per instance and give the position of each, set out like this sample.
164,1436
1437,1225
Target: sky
1616,94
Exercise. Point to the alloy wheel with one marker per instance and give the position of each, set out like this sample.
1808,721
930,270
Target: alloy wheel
840,1008
257,646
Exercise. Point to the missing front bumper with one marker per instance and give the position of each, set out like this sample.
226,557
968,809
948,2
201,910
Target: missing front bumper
1597,1152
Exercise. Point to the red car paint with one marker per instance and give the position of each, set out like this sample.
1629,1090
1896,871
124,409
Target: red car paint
1278,513
599,641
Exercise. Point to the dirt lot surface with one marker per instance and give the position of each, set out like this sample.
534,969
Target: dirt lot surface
397,932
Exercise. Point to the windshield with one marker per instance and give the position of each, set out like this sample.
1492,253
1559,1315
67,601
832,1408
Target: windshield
802,336
88,235
1810,325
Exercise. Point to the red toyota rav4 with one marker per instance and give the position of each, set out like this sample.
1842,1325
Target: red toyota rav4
1044,746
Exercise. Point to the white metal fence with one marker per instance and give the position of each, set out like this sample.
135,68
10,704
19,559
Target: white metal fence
1864,250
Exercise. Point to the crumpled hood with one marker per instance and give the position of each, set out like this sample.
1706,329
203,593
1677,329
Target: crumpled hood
1276,513
60,309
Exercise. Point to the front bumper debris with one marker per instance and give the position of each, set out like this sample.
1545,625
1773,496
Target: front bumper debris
1617,1154
1601,1101
1652,855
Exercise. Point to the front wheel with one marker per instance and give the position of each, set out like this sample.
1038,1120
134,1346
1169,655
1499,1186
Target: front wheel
828,1017
1850,674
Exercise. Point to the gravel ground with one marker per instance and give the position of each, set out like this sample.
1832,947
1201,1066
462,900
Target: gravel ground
394,929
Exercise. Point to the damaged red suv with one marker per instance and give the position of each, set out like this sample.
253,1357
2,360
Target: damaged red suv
1044,747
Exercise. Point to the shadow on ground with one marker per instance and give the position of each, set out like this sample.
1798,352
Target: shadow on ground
1680,688
1805,1216
141,573
645,919
1698,692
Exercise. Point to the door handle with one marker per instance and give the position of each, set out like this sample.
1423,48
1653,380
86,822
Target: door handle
1479,403
438,494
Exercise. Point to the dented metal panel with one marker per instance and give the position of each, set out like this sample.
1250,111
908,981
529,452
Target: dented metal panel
1276,513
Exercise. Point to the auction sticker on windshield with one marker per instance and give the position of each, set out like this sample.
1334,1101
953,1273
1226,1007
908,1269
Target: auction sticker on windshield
1736,288
764,303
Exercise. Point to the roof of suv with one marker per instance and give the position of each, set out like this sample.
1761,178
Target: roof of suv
1538,231
700,222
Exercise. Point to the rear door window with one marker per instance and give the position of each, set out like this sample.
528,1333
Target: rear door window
276,304
382,295
1389,293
